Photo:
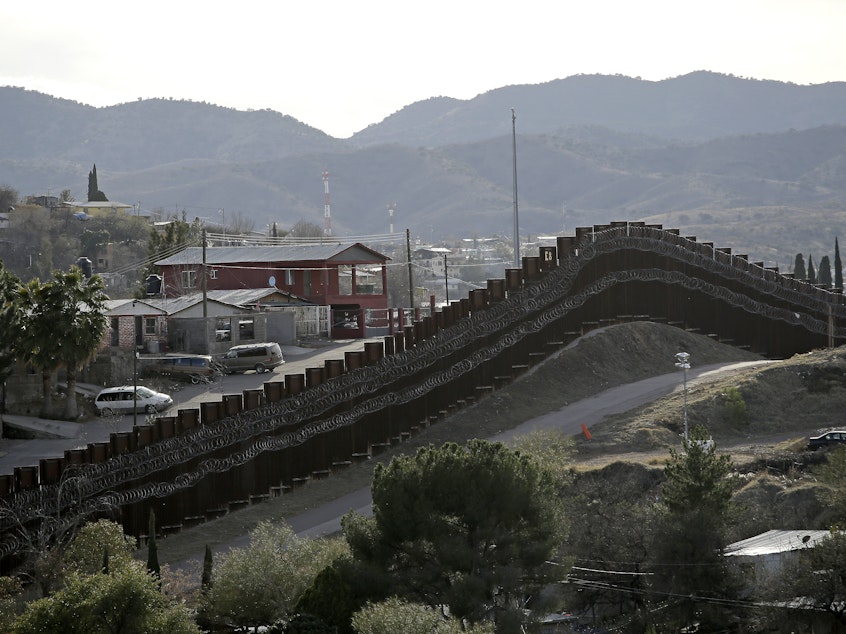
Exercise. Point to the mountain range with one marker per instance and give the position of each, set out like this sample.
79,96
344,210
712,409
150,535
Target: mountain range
759,166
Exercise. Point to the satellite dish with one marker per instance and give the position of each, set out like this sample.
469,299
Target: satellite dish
271,281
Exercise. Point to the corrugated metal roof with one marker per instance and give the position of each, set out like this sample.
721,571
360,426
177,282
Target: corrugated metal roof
274,253
247,296
234,298
775,541
173,305
124,307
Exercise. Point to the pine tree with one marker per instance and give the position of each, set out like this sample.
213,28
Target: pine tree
799,268
812,275
152,548
824,273
838,266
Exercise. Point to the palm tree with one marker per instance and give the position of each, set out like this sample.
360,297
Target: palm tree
37,344
64,327
10,317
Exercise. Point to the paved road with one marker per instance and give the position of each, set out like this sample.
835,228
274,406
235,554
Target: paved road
24,453
326,520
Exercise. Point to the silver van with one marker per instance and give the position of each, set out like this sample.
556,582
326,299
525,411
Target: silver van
253,356
120,400
188,366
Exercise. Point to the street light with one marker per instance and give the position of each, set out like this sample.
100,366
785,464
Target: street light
683,362
135,386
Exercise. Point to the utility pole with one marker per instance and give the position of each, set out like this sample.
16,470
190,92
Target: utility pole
516,221
683,363
408,260
205,308
446,280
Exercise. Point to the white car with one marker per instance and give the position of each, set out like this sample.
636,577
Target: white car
120,400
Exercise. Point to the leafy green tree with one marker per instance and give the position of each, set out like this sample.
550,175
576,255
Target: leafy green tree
396,615
64,325
469,527
93,241
305,229
612,513
691,533
84,555
824,273
734,406
260,584
552,450
11,601
812,582
799,268
832,474
331,598
11,317
838,266
124,601
177,235
307,624
8,198
812,274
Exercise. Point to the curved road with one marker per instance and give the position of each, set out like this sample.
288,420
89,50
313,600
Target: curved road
326,519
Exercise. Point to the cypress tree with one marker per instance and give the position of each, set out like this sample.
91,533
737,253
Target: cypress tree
838,266
92,183
206,582
812,275
799,268
152,548
824,273
94,193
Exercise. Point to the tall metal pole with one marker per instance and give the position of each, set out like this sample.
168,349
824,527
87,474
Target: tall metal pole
683,362
135,384
446,280
408,260
205,308
685,405
516,221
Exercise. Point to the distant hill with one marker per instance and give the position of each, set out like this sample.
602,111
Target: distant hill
755,165
694,107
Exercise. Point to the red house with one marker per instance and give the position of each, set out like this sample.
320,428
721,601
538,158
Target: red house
351,279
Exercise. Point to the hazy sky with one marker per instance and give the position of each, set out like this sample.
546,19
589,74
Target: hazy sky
340,65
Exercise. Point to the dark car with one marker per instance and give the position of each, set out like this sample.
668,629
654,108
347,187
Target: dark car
834,437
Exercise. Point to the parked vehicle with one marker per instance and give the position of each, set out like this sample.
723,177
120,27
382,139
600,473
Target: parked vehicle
833,437
122,400
253,356
189,366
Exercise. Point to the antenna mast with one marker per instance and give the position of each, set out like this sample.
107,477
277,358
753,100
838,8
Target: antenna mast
391,208
327,215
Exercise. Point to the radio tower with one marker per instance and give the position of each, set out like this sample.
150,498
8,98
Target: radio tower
327,216
391,208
